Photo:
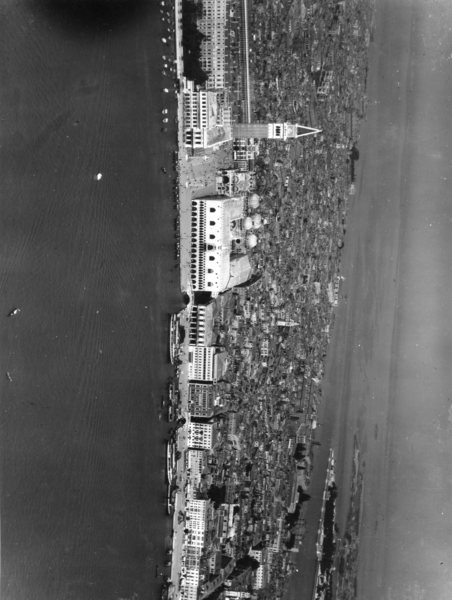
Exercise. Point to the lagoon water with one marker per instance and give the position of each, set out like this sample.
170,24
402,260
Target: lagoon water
91,263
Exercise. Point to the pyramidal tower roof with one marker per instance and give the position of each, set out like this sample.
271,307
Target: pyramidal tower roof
301,130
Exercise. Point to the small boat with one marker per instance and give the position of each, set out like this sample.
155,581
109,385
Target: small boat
14,312
169,504
169,462
8,376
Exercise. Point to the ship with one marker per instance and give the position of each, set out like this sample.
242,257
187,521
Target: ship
174,336
13,312
169,461
169,502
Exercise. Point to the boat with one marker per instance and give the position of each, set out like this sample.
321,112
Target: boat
169,502
170,461
8,376
174,336
14,312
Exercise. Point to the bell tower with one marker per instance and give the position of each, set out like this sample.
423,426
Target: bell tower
272,131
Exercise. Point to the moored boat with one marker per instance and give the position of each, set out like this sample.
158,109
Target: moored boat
174,336
169,461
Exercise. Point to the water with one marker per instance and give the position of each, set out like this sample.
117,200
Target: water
91,265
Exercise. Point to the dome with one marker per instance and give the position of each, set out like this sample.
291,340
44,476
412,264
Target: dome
254,201
257,221
251,240
248,223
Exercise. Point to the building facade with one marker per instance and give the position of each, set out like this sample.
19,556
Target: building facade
244,153
231,182
219,259
213,24
201,363
200,436
196,515
200,325
201,399
207,118
195,465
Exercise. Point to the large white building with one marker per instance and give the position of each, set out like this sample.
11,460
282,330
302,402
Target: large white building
218,244
201,363
196,518
200,436
195,465
213,24
191,573
207,118
201,325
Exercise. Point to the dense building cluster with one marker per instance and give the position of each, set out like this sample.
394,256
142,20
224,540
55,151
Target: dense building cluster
265,276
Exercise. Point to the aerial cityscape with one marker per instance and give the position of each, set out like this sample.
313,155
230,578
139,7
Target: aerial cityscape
262,218
225,280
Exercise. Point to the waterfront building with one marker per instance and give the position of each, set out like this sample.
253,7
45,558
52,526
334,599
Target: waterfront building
333,291
272,131
200,436
213,25
201,324
196,512
232,182
219,244
190,584
189,588
202,399
195,465
201,363
206,364
207,118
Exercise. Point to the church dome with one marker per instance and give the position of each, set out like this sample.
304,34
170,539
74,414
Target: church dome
251,240
248,223
254,201
257,221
